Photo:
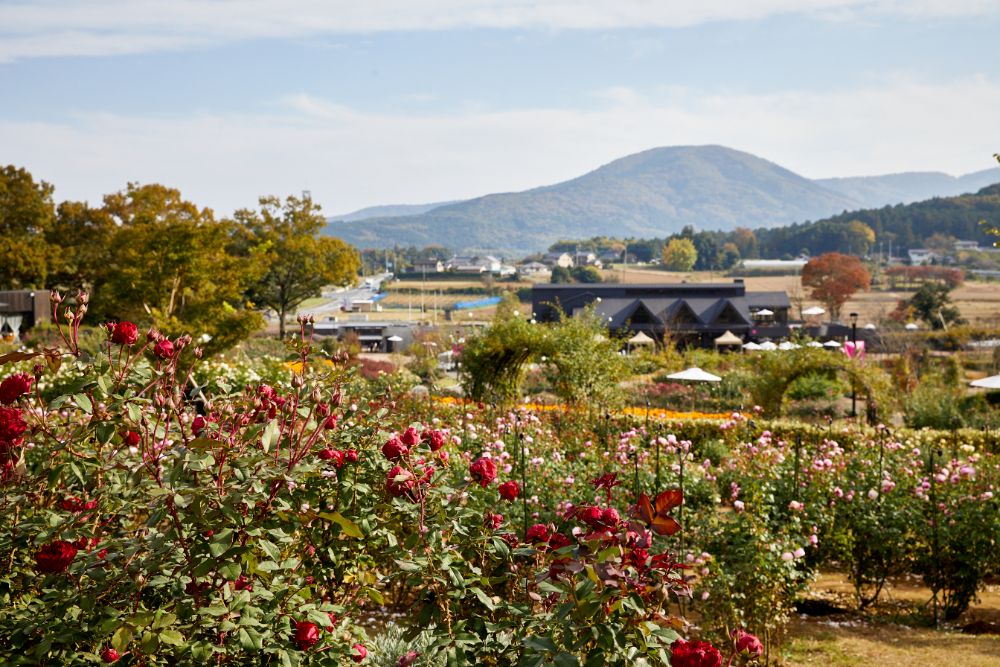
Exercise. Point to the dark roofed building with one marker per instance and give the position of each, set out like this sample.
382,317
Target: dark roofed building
692,313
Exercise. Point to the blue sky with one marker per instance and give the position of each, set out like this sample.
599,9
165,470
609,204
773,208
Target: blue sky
393,101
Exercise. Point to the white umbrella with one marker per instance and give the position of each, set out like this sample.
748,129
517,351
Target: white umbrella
831,343
912,326
815,310
788,345
870,326
992,382
764,312
395,339
751,346
814,343
695,375
768,346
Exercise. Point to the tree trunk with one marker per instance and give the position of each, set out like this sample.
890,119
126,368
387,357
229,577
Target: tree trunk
281,323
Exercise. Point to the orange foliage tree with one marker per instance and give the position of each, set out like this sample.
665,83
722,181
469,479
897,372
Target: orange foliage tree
833,278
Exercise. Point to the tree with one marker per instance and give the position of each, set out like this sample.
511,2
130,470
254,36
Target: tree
26,214
679,255
299,261
173,265
585,364
586,274
833,278
83,235
932,303
560,275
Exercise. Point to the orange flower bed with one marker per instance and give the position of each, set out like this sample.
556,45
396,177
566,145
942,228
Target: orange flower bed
632,411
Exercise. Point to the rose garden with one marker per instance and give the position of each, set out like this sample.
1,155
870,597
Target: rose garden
159,507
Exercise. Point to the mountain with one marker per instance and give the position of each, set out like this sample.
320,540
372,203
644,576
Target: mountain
653,193
905,188
389,211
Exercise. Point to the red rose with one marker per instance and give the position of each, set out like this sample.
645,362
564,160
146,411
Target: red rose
12,425
333,621
110,655
610,518
55,557
538,533
492,521
410,438
361,654
399,482
434,439
198,425
510,539
306,634
123,333
747,643
14,387
73,504
334,455
510,490
394,449
163,349
243,583
484,471
351,456
558,541
590,515
131,438
694,654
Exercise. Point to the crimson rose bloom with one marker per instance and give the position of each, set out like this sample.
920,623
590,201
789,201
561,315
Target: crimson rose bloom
351,456
407,659
361,654
123,333
334,455
484,471
558,541
55,557
110,655
164,349
14,387
694,654
538,533
131,438
399,482
510,490
610,517
410,438
492,521
394,449
435,439
306,634
198,425
746,642
12,425
590,515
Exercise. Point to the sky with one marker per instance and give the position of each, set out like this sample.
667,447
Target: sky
373,102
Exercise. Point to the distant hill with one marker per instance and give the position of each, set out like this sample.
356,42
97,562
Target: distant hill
650,194
389,211
908,225
905,188
653,193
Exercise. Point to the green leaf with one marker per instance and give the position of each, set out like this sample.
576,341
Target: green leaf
172,637
270,435
165,619
348,526
83,401
120,640
484,598
407,565
541,644
250,639
270,549
566,660
375,595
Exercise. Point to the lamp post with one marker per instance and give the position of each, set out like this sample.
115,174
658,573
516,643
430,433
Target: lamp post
854,352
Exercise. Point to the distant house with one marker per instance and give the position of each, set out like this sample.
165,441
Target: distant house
921,256
22,309
474,264
563,259
968,246
586,259
533,268
427,266
374,336
693,314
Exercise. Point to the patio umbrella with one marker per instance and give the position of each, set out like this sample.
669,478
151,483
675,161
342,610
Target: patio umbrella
992,382
394,339
912,326
814,343
768,346
751,346
765,312
788,345
831,343
695,374
814,310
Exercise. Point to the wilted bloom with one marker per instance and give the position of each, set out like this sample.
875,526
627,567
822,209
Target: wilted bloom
407,659
399,481
492,521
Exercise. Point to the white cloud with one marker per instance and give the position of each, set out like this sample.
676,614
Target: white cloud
350,159
34,28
